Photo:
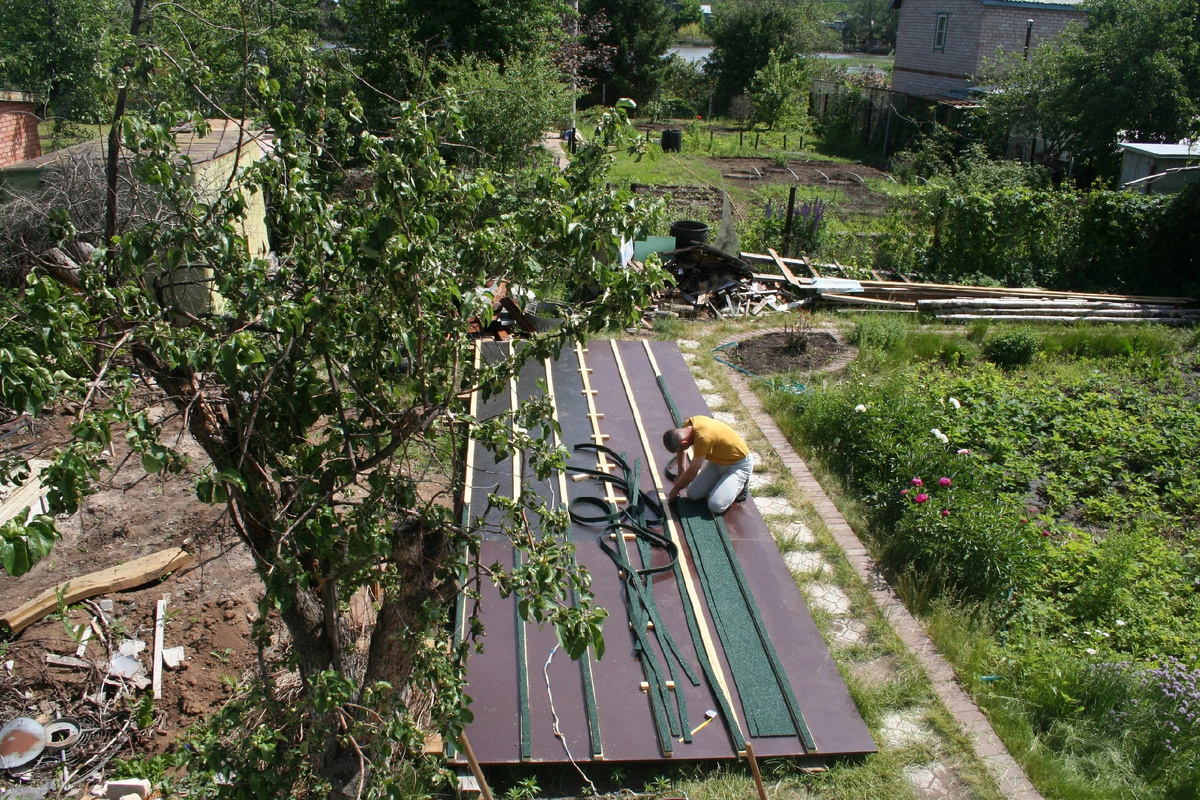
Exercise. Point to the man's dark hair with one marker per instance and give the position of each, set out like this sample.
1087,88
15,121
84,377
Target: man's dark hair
673,439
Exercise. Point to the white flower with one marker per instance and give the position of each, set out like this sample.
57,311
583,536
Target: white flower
954,402
964,452
941,437
1103,633
1120,623
860,408
1091,651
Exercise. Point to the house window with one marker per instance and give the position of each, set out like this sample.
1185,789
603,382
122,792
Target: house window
939,32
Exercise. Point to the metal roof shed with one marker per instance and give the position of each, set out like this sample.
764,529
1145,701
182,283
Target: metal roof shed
1158,168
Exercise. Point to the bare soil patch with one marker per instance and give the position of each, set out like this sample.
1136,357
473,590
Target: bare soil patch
212,602
777,353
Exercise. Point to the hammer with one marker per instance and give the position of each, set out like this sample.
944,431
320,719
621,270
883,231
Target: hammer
709,716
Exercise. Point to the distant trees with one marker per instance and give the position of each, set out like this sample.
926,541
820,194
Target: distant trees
746,32
1133,72
61,52
779,91
640,33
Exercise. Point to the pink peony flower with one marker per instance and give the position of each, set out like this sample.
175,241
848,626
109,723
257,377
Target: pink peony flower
943,482
945,512
903,492
921,498
1024,520
918,482
1045,533
964,452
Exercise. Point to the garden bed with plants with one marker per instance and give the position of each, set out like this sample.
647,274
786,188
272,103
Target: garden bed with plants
1036,496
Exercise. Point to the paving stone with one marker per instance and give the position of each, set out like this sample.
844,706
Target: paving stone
798,532
875,673
847,632
829,598
704,385
689,358
807,562
756,459
902,729
724,416
759,480
774,507
688,344
937,782
714,400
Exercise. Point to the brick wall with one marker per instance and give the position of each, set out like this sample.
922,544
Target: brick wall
975,33
1004,28
18,133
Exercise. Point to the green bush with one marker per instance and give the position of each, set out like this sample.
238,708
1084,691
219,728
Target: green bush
507,110
878,332
1013,348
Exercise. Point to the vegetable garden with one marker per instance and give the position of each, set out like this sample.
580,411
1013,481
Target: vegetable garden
1036,496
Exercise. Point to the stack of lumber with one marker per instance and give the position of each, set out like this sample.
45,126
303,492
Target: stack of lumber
1058,309
953,302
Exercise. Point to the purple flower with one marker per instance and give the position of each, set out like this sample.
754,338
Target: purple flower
918,482
943,482
921,498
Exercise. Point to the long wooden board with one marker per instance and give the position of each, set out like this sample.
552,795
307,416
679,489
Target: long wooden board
114,579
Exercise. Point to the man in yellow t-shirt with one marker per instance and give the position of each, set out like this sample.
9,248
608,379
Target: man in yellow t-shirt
721,465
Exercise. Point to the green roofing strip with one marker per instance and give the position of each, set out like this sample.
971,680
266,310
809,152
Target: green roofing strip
767,698
522,674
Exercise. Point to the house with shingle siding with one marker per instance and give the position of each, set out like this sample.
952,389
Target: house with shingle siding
941,45
18,128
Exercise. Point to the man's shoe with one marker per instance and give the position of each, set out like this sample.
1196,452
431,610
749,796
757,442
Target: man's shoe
744,495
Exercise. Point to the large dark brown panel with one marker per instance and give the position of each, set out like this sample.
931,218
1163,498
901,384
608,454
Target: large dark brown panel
626,724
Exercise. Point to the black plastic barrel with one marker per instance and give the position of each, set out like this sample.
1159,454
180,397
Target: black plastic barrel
672,141
689,232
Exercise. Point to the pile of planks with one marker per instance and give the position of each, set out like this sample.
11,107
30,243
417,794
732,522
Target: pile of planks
960,303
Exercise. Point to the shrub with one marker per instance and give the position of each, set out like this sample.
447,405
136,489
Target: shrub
878,332
1013,348
966,544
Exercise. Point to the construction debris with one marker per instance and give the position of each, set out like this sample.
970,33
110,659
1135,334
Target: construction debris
714,282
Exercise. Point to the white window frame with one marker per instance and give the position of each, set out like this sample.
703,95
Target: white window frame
939,31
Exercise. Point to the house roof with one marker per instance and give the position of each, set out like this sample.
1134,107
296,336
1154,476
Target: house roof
1183,150
1055,5
222,139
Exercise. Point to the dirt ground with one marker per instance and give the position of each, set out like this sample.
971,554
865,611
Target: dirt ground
777,353
212,601
848,180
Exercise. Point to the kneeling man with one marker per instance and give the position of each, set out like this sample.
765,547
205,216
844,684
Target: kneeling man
721,464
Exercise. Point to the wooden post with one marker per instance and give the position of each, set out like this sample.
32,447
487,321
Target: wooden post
756,141
785,142
758,784
741,139
787,224
476,770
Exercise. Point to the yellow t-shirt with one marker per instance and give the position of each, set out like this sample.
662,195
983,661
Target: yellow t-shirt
716,441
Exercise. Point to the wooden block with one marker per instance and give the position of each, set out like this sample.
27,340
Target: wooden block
468,787
114,579
645,687
160,621
55,660
433,745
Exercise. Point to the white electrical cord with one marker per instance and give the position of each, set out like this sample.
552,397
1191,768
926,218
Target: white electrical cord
554,718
